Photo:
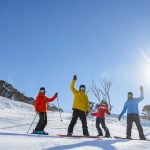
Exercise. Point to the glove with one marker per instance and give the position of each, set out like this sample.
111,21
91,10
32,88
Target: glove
141,88
37,112
87,113
108,113
56,94
74,77
94,114
119,118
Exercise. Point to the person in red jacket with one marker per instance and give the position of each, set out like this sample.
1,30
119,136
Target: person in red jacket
40,106
100,118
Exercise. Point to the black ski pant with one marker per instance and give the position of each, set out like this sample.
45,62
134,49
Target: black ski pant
134,118
42,121
78,114
101,121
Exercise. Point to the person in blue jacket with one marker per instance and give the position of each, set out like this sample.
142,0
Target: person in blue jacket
131,106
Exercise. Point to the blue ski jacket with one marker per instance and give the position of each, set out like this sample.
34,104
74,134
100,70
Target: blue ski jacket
131,106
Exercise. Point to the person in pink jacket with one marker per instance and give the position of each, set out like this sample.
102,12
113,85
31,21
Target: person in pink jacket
100,118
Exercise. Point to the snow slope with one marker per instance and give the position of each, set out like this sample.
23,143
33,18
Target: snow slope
15,119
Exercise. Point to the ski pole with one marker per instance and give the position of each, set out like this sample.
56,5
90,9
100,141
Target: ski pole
92,126
59,109
32,123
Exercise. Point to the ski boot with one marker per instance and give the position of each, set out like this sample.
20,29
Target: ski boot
69,134
87,134
143,138
45,133
107,134
38,132
128,137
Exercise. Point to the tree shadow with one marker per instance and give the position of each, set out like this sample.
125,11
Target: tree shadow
104,144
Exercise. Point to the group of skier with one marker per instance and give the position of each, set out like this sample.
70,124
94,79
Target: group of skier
81,108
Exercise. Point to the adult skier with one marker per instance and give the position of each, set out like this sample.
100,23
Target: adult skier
131,106
80,107
100,118
40,106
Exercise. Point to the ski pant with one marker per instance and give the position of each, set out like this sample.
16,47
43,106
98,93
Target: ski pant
78,114
102,122
134,118
42,121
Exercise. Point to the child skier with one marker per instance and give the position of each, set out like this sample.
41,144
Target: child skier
100,118
131,106
41,109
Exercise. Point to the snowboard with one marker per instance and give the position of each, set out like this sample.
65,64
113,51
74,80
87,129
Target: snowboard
130,139
78,136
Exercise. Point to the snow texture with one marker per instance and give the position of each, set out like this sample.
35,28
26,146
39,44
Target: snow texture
16,117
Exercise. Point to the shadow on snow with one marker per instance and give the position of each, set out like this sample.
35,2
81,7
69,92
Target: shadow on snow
104,144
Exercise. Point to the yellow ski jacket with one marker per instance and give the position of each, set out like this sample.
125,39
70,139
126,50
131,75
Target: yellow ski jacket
81,101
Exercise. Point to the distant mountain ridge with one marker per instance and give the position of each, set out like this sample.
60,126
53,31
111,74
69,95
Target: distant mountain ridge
8,91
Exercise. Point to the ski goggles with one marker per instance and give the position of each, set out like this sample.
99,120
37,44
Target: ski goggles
42,91
130,94
82,89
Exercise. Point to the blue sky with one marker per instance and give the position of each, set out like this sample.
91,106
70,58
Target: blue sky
44,43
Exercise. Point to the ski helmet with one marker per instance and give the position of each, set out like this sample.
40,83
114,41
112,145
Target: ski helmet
104,101
42,90
82,87
130,95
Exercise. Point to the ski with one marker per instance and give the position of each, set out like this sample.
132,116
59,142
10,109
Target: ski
25,134
78,136
130,139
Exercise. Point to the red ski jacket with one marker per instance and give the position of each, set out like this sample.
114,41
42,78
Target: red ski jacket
102,110
40,104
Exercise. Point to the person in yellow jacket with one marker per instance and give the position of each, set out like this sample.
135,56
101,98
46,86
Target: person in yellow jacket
80,107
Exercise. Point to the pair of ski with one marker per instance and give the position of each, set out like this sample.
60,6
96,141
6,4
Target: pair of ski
99,137
73,136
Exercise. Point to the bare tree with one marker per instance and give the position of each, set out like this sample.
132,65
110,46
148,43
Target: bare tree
103,92
106,84
96,91
146,112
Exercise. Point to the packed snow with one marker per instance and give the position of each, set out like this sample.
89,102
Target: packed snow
16,117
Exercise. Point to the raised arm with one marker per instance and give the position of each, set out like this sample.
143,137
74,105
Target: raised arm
51,99
141,94
73,83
